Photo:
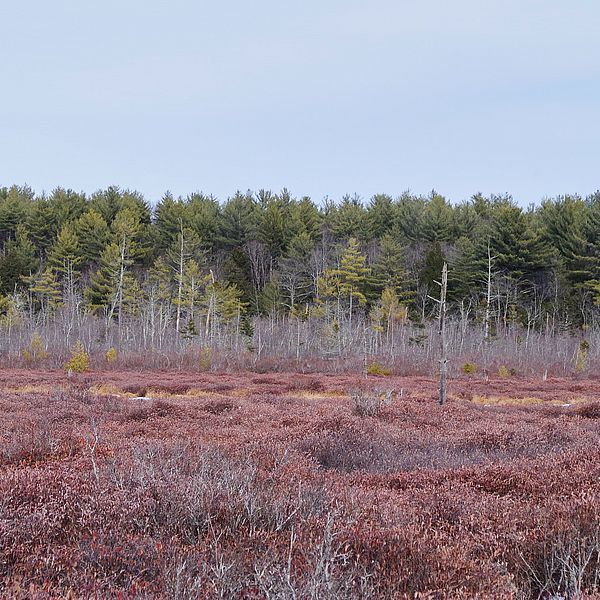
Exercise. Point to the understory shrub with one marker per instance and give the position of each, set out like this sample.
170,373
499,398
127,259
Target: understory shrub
206,359
469,368
79,362
111,355
503,371
378,370
581,358
36,350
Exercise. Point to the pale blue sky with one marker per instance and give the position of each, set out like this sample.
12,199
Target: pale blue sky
324,97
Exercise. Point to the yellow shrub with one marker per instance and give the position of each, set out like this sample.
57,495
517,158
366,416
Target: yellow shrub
111,355
80,359
503,371
469,368
582,356
36,350
376,369
205,362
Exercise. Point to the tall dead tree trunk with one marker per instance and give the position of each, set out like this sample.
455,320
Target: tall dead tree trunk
441,302
180,268
489,296
442,333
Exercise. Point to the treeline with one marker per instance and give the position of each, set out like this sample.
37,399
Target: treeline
195,266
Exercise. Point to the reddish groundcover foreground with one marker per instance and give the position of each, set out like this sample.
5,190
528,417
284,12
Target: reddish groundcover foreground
296,486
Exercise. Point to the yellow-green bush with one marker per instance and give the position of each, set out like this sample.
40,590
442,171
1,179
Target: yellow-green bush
503,371
376,369
205,362
36,350
111,355
79,361
469,368
582,356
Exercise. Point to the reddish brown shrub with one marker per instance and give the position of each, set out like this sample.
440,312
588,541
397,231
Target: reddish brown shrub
263,494
589,410
217,407
147,409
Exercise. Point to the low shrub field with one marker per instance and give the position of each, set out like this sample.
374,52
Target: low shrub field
277,486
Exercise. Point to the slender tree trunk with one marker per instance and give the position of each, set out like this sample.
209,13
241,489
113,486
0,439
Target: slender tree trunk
180,279
210,309
486,334
442,333
298,340
118,303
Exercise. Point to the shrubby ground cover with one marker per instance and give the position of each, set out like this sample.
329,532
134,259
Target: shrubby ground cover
277,486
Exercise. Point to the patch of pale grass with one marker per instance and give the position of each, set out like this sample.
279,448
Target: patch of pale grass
107,389
31,389
507,400
200,393
310,395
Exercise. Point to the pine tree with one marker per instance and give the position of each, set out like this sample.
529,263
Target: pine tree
203,217
192,283
592,232
388,270
306,218
238,272
101,292
565,221
42,225
46,288
93,234
135,203
130,232
159,290
133,297
65,254
348,281
519,248
183,249
237,222
380,216
111,285
438,220
467,221
434,263
275,227
14,208
170,217
294,273
222,304
387,314
348,219
409,217
270,301
17,260
107,203
160,278
466,273
66,205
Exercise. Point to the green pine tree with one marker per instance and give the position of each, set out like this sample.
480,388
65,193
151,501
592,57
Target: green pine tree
93,234
17,260
347,282
388,270
65,254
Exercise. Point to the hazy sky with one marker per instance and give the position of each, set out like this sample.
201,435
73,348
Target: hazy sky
324,97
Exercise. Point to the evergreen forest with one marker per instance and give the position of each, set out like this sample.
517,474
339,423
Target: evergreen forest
166,273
